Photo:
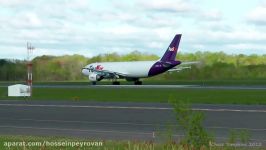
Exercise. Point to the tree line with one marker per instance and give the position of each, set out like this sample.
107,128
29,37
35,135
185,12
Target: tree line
212,66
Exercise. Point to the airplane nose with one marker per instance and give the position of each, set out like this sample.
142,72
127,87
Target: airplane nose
84,71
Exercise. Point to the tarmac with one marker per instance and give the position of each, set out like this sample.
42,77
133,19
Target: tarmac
124,120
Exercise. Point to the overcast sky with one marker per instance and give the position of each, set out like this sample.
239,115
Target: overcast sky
92,27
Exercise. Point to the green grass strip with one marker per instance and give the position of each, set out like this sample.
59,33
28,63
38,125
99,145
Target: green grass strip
207,96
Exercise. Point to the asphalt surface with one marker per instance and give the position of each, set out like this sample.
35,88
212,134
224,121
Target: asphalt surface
233,87
156,86
116,121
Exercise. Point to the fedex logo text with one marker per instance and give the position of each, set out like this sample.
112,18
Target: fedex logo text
172,49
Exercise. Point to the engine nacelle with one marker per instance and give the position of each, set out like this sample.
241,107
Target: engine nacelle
95,77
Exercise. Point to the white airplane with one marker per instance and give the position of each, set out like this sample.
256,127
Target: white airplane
134,70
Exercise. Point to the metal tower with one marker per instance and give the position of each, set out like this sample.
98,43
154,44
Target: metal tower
30,49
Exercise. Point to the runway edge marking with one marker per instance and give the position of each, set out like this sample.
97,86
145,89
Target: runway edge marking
133,107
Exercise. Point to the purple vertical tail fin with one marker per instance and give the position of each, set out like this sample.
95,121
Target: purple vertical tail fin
171,51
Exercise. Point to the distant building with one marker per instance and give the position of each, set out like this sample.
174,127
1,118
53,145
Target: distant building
18,90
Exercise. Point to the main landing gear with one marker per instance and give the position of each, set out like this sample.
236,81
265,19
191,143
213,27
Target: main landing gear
138,82
116,83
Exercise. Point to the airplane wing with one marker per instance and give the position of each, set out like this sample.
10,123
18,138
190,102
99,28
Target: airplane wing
184,65
179,69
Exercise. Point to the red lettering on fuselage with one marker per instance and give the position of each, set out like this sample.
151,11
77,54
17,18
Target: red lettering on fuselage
99,67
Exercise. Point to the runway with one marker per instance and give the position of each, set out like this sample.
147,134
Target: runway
122,121
221,87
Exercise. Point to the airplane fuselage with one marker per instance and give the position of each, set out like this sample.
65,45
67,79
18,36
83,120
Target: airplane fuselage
138,69
133,69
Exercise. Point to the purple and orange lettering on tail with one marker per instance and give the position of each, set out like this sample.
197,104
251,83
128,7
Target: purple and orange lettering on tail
172,49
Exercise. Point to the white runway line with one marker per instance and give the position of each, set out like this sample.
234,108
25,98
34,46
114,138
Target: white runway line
132,107
86,122
127,123
231,110
147,86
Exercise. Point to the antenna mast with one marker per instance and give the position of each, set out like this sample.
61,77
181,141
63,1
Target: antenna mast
30,49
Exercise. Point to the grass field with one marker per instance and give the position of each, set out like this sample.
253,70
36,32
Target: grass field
210,96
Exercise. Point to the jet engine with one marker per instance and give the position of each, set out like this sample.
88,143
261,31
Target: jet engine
95,77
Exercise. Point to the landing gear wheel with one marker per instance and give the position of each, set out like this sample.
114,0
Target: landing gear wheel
116,83
93,83
138,82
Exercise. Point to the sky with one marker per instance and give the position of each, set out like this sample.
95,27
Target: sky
93,27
